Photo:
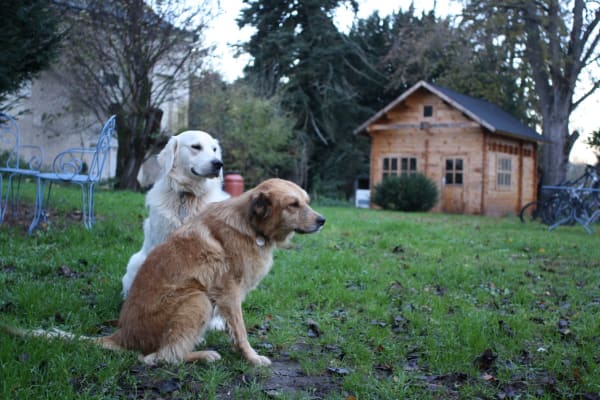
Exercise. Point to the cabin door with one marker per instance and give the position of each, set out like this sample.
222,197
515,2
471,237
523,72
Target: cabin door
453,184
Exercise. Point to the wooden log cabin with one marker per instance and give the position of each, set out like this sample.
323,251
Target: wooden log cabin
483,160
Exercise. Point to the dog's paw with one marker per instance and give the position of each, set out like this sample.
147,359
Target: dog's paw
207,356
150,359
260,361
211,356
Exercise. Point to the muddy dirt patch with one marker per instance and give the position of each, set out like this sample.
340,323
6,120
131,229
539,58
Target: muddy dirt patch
287,379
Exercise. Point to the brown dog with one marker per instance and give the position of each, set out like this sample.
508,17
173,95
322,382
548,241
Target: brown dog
211,262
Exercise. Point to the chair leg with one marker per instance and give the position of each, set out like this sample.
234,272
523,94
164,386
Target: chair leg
84,210
16,194
38,207
45,204
91,204
9,198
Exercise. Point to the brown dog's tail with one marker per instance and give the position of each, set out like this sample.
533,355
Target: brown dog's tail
106,342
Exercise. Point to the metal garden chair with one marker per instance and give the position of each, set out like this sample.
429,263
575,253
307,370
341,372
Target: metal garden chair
21,160
70,166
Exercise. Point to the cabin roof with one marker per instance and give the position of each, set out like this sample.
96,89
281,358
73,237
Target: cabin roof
488,115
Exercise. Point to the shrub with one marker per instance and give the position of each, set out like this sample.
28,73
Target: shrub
406,193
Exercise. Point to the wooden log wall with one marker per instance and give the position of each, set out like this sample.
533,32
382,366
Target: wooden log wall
449,134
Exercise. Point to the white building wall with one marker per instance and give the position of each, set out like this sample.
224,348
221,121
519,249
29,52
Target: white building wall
48,117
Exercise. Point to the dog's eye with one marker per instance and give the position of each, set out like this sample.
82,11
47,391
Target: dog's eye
214,149
295,204
197,147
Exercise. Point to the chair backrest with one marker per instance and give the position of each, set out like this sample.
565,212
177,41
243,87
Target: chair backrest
9,140
71,163
102,149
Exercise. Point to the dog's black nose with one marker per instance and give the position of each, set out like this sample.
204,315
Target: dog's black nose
321,220
217,164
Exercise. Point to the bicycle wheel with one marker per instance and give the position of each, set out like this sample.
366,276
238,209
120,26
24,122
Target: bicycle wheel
552,210
530,211
560,212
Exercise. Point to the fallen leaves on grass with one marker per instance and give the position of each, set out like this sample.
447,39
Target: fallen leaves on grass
148,383
505,328
447,384
563,327
384,369
400,324
355,285
398,249
340,315
338,371
381,324
314,330
485,361
412,361
66,272
261,330
7,307
8,267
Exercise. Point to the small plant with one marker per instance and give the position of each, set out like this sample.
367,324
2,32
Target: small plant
406,193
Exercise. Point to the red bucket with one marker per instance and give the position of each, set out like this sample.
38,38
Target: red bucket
234,184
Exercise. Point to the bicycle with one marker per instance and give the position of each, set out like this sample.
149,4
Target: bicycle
547,210
565,205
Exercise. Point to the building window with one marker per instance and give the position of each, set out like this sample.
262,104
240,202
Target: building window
428,111
454,171
390,167
399,166
504,172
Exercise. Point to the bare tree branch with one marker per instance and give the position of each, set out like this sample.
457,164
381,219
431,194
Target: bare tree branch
129,57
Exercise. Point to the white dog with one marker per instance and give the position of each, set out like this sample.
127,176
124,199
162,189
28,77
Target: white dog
191,177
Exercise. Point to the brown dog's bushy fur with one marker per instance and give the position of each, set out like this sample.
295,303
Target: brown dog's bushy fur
210,264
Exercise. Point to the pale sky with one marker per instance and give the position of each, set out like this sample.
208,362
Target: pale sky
224,32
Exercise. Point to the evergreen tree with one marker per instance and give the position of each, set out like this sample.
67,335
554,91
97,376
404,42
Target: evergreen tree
332,82
298,51
29,40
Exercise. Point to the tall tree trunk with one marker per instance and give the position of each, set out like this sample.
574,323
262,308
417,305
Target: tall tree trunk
554,155
130,157
128,177
136,136
555,73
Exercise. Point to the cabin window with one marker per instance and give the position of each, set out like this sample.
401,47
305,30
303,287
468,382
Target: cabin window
504,172
399,166
390,167
428,111
454,171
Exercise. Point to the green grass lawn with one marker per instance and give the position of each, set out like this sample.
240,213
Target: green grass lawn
379,305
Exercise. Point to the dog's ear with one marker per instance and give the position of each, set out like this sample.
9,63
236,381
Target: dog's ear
166,158
260,205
